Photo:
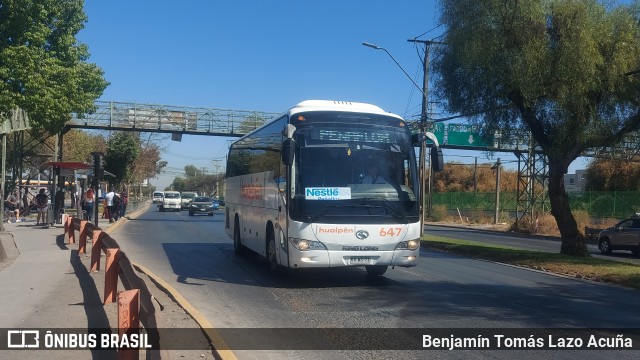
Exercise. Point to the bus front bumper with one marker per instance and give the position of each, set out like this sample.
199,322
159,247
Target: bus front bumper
323,258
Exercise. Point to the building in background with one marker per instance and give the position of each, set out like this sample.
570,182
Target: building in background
575,182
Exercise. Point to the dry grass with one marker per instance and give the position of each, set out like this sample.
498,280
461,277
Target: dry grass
544,224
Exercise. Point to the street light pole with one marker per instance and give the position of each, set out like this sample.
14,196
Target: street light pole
374,46
423,125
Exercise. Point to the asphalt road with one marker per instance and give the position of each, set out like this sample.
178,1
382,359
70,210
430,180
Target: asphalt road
536,243
196,257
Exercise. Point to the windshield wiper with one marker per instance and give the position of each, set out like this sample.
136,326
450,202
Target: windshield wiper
312,218
396,213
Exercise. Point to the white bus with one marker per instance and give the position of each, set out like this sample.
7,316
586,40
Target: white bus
302,190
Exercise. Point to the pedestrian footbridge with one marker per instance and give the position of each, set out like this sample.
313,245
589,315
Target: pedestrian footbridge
170,119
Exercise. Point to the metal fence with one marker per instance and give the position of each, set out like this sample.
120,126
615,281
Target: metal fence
616,204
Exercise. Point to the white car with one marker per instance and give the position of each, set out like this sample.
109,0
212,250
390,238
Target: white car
171,201
187,197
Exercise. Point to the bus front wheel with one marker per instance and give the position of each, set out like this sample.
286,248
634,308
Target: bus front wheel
376,270
271,255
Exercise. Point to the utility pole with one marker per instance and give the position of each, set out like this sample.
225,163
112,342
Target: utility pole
423,126
496,217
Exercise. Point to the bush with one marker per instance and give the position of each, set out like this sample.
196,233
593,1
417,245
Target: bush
439,213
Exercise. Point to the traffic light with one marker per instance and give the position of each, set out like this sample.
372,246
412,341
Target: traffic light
98,167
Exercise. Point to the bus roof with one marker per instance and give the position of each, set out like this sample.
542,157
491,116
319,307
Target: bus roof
326,105
332,105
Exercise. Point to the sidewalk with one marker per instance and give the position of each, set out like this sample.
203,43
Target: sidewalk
46,285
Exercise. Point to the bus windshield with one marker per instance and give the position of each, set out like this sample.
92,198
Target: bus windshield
346,171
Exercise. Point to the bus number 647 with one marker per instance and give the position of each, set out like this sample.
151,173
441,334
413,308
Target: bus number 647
390,231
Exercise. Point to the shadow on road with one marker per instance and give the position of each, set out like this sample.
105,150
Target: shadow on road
193,262
97,319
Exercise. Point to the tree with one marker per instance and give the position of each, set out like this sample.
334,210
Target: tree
612,175
43,67
564,70
456,177
147,163
78,145
122,151
191,171
178,184
196,180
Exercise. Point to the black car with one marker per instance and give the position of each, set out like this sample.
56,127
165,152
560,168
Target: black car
201,205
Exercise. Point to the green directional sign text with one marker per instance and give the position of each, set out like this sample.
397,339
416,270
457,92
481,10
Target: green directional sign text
465,135
438,130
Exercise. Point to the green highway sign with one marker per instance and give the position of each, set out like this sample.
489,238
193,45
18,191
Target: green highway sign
465,135
438,130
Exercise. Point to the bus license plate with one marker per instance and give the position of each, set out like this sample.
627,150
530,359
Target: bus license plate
360,259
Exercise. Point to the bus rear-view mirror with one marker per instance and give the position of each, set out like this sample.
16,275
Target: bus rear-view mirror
437,160
288,151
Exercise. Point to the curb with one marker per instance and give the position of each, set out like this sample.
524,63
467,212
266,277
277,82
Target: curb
215,339
8,249
131,215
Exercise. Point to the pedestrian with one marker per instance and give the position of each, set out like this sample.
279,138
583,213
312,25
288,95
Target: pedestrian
125,201
109,199
59,205
88,203
117,206
11,206
42,202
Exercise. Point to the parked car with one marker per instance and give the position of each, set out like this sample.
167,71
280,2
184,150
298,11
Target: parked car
170,201
215,204
187,197
625,235
201,205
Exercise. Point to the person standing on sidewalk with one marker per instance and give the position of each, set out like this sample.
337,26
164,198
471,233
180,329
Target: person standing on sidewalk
88,203
109,199
123,206
42,203
117,206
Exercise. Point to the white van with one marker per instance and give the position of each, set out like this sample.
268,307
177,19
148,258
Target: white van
157,197
170,201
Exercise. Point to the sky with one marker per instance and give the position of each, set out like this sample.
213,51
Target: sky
260,56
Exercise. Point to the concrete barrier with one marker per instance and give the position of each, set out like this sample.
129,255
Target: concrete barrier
118,266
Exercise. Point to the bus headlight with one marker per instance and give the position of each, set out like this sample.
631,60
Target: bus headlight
304,245
408,245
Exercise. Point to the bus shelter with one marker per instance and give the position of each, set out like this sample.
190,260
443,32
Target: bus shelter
65,172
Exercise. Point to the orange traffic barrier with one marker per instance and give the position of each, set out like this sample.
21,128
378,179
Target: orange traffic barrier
96,248
67,230
84,233
112,268
136,305
128,319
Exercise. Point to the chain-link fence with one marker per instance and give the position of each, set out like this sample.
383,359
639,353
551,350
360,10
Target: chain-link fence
616,204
